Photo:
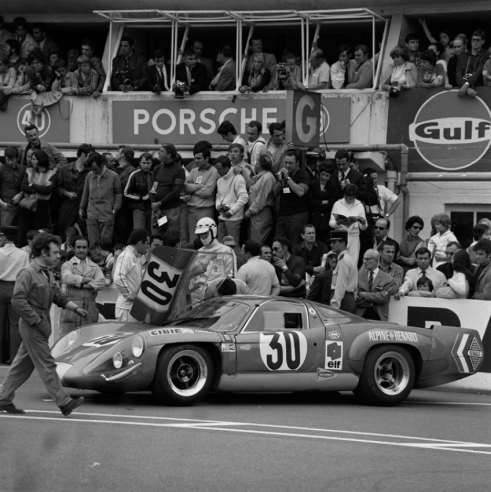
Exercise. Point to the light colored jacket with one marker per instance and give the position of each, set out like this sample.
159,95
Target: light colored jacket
262,192
410,71
232,191
72,275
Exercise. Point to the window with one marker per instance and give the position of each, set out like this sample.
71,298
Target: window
330,316
278,315
464,218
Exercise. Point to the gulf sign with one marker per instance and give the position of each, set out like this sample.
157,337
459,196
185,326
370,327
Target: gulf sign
451,132
195,118
442,130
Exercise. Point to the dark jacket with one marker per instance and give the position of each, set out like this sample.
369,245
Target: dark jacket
319,214
154,78
199,77
292,276
45,77
138,186
133,68
471,64
312,258
266,77
366,191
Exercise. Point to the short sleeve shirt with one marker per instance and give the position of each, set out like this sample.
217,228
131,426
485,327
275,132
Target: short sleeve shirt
291,203
320,74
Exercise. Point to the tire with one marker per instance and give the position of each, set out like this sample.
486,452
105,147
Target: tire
183,376
388,376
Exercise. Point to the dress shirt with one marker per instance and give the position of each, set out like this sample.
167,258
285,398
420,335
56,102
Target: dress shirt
12,260
413,275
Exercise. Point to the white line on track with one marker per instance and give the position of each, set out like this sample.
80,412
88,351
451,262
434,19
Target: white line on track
434,444
449,403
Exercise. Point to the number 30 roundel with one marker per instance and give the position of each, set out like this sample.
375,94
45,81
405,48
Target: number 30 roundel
283,351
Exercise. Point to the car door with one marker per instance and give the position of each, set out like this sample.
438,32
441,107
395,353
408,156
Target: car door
279,338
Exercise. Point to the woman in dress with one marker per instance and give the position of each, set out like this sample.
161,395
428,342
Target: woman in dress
349,214
412,242
319,202
400,74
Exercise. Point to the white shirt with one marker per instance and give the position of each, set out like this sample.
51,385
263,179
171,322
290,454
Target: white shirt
239,140
254,149
413,275
385,196
128,275
320,74
12,261
259,276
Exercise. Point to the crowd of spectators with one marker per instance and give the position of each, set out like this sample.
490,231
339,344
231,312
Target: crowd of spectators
34,64
322,225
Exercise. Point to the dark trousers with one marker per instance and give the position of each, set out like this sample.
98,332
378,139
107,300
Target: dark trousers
371,314
348,303
68,217
123,225
291,227
40,219
34,352
9,323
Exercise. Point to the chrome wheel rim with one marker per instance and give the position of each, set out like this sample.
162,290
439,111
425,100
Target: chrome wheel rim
392,373
187,373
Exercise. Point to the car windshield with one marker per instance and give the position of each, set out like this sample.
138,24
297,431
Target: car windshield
215,315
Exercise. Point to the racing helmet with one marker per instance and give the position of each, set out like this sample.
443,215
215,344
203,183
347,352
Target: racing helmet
206,224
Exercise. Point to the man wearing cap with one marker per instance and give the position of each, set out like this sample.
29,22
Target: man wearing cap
12,260
345,276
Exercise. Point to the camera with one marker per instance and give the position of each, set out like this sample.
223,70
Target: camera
156,89
180,89
127,82
282,69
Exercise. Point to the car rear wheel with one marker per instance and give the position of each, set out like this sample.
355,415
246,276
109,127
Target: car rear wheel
388,376
184,375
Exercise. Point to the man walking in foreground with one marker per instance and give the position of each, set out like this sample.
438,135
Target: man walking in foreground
34,292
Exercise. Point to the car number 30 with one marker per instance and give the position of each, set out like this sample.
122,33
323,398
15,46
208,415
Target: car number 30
283,351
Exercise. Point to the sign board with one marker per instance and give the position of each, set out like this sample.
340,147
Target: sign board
186,121
444,132
160,284
424,312
303,118
53,122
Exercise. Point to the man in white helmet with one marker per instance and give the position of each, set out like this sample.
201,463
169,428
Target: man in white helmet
208,266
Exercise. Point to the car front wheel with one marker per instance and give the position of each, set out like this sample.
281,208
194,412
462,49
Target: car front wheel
388,376
184,375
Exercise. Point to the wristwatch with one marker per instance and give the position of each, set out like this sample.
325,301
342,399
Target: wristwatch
285,268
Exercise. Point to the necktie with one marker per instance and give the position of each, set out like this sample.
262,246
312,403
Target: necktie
423,274
189,77
370,281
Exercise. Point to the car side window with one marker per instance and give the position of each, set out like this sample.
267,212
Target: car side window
278,315
331,317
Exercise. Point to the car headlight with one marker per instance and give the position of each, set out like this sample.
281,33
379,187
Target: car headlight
65,343
118,360
137,347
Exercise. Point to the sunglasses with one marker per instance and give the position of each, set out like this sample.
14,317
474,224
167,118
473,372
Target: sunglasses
380,228
476,40
417,227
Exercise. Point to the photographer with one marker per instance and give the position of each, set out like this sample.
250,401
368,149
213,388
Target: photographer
470,65
129,72
288,75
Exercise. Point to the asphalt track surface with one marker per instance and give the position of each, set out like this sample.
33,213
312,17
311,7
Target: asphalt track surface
246,442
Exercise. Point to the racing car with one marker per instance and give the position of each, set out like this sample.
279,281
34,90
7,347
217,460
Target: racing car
259,344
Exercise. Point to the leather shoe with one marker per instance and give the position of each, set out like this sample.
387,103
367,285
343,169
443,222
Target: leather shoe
71,406
11,408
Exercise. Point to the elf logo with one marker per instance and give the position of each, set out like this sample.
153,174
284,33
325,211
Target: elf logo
450,132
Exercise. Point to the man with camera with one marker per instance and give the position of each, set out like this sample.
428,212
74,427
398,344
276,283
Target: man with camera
470,65
288,74
129,68
292,188
191,73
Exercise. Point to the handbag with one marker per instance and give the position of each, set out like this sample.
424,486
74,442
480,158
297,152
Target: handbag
29,203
